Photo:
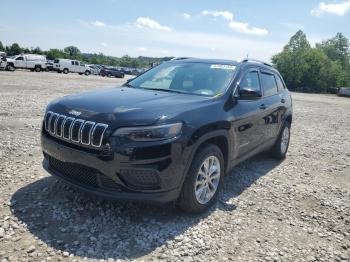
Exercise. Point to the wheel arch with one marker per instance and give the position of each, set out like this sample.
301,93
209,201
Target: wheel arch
217,134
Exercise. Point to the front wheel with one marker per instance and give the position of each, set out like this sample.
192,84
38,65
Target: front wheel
87,72
10,68
37,69
203,181
65,71
280,148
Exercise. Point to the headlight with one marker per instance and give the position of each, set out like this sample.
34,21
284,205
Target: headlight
149,133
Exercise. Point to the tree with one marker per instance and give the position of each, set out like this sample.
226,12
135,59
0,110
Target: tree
55,53
291,61
73,51
313,69
1,47
37,50
298,42
14,49
336,48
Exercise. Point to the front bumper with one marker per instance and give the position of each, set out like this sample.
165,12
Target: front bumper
151,174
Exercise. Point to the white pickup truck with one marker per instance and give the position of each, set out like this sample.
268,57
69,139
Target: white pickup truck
35,63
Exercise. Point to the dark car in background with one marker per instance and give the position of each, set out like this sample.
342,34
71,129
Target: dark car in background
170,134
111,71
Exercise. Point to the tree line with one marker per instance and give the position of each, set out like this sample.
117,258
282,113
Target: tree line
304,68
314,69
73,52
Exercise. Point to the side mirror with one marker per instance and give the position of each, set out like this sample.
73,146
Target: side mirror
246,93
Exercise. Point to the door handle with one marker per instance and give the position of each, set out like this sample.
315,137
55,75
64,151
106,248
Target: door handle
263,106
283,100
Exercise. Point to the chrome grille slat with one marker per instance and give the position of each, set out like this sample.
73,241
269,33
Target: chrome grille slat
99,137
85,126
74,130
76,127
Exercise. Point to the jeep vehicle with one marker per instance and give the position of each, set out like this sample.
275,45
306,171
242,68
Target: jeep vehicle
170,134
35,63
66,65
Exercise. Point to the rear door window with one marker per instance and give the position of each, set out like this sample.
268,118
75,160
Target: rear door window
269,84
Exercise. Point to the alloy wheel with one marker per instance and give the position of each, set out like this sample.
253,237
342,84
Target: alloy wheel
208,179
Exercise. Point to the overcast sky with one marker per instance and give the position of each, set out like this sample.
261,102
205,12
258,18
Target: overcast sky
227,29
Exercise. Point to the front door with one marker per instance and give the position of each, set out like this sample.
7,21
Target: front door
248,116
19,62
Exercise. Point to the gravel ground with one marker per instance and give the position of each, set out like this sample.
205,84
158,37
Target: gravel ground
295,210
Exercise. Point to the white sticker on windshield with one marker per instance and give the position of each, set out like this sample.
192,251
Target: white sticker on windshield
227,67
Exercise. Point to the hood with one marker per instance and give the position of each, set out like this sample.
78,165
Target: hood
123,106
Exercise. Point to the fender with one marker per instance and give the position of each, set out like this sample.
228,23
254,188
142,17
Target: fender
200,141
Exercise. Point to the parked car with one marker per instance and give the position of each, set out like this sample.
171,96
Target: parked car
33,62
171,134
344,91
66,65
49,65
111,71
6,63
95,70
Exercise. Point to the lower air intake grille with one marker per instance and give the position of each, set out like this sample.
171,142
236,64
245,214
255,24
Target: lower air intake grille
81,174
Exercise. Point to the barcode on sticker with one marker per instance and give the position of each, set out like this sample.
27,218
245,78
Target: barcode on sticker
227,67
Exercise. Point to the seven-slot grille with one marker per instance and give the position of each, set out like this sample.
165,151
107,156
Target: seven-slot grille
75,130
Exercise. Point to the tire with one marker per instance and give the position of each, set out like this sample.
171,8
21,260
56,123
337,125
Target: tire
37,69
188,200
10,67
65,71
80,73
87,72
122,76
109,74
280,148
47,70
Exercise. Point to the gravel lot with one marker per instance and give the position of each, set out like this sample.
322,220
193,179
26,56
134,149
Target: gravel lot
295,210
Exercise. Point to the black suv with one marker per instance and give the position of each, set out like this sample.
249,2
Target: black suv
111,71
170,134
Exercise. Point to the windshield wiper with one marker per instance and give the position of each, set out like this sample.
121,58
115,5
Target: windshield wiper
128,85
167,90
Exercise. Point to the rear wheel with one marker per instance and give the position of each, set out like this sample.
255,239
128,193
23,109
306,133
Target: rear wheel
87,72
37,69
280,148
65,71
203,180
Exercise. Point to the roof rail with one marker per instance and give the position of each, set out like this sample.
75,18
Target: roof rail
244,60
180,58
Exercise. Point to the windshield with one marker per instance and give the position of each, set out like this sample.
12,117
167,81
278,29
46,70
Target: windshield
194,78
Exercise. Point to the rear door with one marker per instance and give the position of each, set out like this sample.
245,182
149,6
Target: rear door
273,102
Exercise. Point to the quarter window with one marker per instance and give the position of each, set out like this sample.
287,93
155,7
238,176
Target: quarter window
280,84
269,84
251,80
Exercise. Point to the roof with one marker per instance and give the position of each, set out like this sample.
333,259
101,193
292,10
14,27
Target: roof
207,61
